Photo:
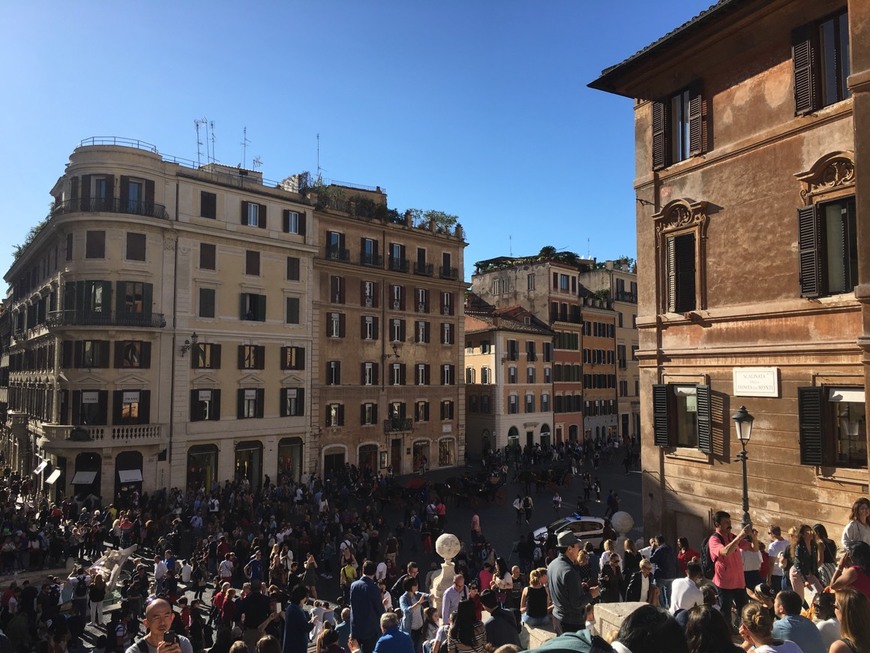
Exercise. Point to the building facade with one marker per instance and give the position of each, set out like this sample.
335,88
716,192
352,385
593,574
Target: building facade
751,125
163,327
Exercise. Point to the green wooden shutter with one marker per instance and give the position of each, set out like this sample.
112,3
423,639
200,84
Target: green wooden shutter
808,252
148,209
659,143
261,308
661,427
811,402
705,418
803,54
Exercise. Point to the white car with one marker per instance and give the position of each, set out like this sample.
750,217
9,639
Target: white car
585,528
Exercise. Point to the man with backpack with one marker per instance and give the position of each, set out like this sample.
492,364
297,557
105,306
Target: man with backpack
80,583
724,553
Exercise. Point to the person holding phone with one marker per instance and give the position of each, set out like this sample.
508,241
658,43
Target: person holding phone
159,638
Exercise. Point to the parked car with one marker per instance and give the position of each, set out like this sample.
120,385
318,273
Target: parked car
585,528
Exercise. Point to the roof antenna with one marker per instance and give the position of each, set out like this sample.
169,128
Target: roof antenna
319,169
211,129
199,122
245,142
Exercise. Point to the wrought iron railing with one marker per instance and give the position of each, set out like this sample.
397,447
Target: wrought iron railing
110,205
106,318
397,424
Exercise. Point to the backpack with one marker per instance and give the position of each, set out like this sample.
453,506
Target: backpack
81,587
708,567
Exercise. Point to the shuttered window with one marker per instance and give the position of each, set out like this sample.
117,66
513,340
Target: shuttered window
682,416
679,127
828,248
820,59
681,273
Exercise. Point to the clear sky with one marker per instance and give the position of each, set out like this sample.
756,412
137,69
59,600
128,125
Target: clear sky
478,108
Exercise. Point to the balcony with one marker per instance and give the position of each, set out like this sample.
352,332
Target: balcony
399,264
425,269
337,254
61,435
371,260
110,205
629,297
446,272
106,318
398,424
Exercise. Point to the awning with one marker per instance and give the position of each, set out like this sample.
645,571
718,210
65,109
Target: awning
130,475
40,467
52,478
84,478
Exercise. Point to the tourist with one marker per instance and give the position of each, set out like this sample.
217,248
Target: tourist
756,628
567,592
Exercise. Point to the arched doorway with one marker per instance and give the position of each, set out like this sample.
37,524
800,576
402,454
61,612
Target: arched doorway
333,461
446,452
249,462
421,455
545,435
513,438
202,465
367,459
573,433
86,479
290,458
128,477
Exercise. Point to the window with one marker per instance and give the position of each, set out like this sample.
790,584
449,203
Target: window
681,273
446,410
421,411
512,374
828,246
292,268
135,247
368,414
131,406
253,307
682,416
513,405
833,425
397,296
292,402
485,347
397,330
250,403
205,356
369,374
69,247
530,281
545,402
368,252
563,282
548,375
132,196
132,354
398,262
205,405
91,353
335,325
448,374
368,294
134,298
680,226
530,403
421,331
470,375
530,374
485,375
397,374
447,303
369,327
207,256
422,297
252,263
531,355
254,215
678,129
820,54
485,404
422,374
207,205
292,310
336,289
334,415
206,302
446,333
513,350
294,222
292,358
90,407
335,249
252,357
95,244
333,373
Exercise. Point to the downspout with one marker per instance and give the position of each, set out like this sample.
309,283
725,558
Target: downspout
174,340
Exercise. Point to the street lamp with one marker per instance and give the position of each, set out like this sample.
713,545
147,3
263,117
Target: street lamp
743,425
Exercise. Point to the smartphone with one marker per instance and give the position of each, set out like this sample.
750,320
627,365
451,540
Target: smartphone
170,637
278,607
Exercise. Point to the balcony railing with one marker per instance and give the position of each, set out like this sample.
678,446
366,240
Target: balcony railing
626,297
110,205
337,254
371,260
398,424
105,318
423,268
106,434
399,264
446,272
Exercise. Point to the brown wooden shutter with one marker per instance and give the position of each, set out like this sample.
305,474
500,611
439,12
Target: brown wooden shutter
705,418
145,355
119,353
244,212
803,53
684,248
215,357
73,191
286,226
696,121
661,434
86,193
110,191
811,402
301,224
149,194
376,322
341,325
261,402
240,403
195,414
241,357
125,192
215,404
144,406
66,354
659,141
261,216
808,252
117,405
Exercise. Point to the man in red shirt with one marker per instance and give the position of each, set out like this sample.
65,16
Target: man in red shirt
728,578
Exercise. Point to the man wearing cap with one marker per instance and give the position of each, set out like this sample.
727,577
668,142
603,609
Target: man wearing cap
568,594
158,621
501,627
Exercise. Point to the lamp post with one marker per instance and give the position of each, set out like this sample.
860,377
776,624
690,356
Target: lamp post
743,425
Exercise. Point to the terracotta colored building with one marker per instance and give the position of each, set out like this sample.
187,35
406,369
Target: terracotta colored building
751,123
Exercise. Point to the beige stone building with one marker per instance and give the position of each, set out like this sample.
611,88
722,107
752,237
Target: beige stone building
169,324
508,379
751,125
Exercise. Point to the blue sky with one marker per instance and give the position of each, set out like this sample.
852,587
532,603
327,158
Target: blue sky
476,108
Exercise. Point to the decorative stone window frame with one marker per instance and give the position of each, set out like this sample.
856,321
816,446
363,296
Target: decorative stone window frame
677,218
829,178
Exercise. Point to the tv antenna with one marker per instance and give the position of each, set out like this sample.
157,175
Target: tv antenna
199,123
245,142
257,162
210,132
320,170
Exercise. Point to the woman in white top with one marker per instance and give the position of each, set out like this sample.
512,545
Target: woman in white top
756,631
858,528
